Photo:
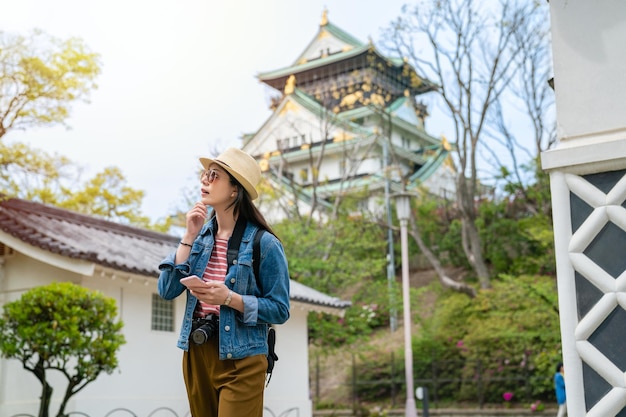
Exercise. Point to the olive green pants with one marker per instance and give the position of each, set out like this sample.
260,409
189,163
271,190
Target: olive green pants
223,388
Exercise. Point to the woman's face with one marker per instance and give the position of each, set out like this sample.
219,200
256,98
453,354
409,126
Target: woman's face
217,191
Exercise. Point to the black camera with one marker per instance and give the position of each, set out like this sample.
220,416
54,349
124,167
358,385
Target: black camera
204,328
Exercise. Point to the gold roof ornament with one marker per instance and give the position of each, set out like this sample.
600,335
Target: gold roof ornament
377,100
290,85
445,143
324,20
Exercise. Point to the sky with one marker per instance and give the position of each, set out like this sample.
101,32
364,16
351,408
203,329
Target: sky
178,78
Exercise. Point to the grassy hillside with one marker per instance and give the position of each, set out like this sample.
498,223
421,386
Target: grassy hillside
510,332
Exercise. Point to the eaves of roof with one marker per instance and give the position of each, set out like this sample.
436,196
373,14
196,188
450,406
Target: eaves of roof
300,292
342,35
107,244
364,111
336,32
398,122
375,181
300,193
296,68
417,131
312,105
320,111
430,167
87,238
330,148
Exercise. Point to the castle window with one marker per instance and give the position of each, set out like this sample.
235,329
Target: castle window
282,144
304,175
342,167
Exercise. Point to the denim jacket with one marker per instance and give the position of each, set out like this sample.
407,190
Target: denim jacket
240,334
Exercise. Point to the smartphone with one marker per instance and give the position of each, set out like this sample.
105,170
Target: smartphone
193,282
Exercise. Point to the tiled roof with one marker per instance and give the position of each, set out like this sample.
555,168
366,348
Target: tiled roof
300,292
108,244
78,236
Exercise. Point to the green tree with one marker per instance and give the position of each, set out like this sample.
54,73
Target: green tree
35,175
108,196
502,329
344,257
65,328
40,77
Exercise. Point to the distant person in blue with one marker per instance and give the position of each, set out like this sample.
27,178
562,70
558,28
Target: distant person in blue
559,386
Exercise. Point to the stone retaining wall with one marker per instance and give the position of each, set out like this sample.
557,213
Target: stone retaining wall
447,412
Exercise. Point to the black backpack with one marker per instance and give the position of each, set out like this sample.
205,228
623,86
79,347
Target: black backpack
231,256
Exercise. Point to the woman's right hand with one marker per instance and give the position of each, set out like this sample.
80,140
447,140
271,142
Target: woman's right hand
195,220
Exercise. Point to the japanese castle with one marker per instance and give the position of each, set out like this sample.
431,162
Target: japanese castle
346,128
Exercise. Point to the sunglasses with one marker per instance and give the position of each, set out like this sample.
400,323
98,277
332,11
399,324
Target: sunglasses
210,174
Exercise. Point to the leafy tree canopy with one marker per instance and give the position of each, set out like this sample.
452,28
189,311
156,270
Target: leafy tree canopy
35,175
40,76
62,327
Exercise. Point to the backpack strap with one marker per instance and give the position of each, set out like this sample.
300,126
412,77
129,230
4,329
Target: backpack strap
256,256
235,241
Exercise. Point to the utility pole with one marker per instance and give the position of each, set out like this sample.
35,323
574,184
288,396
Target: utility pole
391,268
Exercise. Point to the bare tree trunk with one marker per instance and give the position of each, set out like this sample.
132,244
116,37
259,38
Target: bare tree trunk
445,280
470,236
468,49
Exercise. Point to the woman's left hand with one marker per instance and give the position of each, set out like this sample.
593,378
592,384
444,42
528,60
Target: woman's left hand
214,293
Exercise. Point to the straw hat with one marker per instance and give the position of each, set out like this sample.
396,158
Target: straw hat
241,166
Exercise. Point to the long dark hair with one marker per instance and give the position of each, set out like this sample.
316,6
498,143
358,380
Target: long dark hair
243,206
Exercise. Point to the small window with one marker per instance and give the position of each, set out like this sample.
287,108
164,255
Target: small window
304,175
282,144
342,167
162,314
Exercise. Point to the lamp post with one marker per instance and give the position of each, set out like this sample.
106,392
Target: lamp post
391,268
403,207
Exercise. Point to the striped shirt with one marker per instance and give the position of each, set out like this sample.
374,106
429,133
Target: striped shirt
215,270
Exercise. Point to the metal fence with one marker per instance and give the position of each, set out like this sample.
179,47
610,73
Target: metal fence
346,380
163,412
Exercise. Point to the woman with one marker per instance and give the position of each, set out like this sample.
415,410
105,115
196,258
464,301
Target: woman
559,387
228,310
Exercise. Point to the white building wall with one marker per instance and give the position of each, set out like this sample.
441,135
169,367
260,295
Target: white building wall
150,373
149,376
589,66
289,386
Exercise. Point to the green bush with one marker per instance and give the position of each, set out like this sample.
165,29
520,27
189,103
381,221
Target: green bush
474,350
65,328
